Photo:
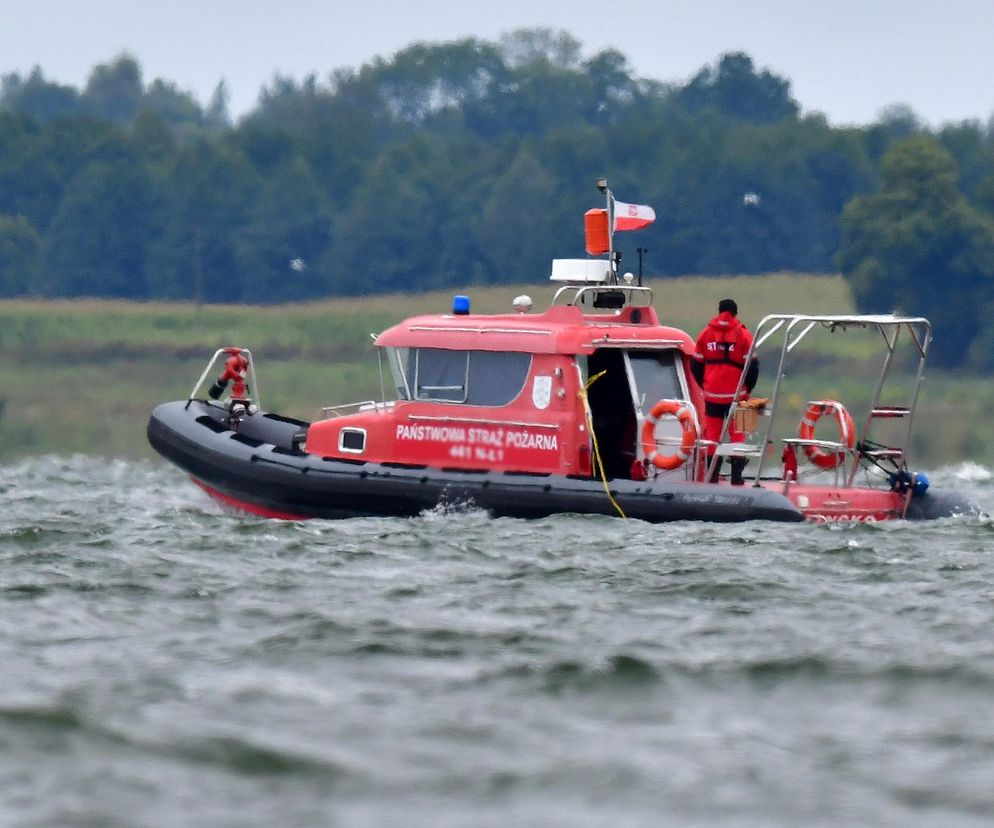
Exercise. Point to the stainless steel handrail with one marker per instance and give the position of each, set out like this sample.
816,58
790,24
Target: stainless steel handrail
795,327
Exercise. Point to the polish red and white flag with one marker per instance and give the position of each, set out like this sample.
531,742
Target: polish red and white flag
632,216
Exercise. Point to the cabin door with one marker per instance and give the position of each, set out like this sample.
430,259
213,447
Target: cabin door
629,385
612,408
655,376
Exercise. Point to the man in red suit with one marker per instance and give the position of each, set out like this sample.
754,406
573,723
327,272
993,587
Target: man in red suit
717,366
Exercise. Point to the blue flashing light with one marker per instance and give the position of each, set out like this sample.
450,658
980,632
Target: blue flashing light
460,305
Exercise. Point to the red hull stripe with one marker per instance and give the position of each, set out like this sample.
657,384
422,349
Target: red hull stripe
251,508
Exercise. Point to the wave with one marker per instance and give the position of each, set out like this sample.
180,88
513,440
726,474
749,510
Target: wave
58,718
246,755
967,472
617,672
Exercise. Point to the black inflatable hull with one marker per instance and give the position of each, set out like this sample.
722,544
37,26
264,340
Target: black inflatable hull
258,468
935,505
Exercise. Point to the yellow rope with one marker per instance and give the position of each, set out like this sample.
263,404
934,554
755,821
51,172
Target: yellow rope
593,436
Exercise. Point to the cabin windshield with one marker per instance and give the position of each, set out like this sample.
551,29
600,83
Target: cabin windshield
490,378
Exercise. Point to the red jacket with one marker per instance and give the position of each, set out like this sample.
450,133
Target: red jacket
722,348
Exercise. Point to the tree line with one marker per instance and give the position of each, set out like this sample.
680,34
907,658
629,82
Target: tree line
472,162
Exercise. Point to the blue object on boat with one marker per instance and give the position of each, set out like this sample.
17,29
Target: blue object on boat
919,483
902,481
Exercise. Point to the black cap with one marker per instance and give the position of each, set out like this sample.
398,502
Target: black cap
728,305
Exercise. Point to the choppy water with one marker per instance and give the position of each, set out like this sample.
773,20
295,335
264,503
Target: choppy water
167,663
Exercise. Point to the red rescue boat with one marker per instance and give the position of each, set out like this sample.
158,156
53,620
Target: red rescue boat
586,407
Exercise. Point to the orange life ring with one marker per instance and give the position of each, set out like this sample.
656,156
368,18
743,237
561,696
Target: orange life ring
819,455
688,423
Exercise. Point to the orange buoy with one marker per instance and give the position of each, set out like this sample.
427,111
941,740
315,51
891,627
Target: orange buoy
819,455
688,423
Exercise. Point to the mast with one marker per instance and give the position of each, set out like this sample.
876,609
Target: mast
612,257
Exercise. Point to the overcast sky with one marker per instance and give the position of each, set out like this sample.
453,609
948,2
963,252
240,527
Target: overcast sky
846,58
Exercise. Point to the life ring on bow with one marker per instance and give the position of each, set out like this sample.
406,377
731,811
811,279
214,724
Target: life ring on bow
688,424
819,455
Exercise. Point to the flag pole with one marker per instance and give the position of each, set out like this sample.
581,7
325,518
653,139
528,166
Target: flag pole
609,197
610,226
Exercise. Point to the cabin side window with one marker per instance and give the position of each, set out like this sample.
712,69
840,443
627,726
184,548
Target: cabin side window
496,377
656,377
486,378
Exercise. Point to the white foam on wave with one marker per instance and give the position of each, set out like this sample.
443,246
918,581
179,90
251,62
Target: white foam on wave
970,472
463,509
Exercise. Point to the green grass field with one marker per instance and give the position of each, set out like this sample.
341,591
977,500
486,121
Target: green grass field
82,376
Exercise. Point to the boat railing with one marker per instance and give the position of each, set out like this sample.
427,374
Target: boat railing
332,411
793,329
607,297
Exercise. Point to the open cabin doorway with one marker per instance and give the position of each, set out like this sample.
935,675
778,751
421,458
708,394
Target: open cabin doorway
632,383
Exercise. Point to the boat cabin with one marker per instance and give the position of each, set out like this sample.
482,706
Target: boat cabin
520,392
